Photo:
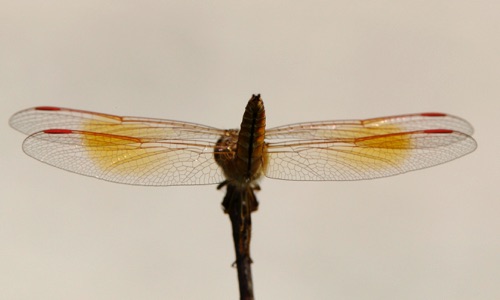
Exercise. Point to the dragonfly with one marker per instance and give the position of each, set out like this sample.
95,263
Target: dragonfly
158,152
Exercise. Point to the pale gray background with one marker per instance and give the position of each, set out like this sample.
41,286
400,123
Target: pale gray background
431,234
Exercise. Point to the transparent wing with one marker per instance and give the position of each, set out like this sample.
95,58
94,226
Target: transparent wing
146,151
370,127
131,150
366,149
36,119
124,159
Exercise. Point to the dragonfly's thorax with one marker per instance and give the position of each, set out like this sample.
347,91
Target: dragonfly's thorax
225,149
241,153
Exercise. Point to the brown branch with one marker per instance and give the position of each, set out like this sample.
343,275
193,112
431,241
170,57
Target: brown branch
239,203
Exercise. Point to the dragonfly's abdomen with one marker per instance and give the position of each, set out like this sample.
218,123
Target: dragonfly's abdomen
243,159
250,149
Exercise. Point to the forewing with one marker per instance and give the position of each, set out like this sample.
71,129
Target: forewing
370,127
36,119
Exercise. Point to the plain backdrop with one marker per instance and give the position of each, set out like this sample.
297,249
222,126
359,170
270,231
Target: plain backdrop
430,234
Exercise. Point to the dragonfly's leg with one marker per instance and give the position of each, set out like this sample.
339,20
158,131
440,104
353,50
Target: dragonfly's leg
223,184
253,204
228,198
